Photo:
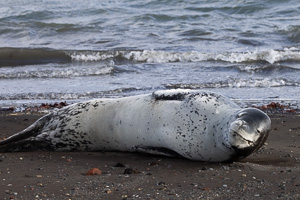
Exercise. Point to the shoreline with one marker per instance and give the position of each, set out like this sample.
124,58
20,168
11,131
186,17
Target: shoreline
271,172
269,106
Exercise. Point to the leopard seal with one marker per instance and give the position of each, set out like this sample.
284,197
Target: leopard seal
194,124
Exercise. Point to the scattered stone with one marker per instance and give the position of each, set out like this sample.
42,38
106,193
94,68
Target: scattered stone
119,165
107,191
204,168
7,109
94,171
153,163
161,183
131,171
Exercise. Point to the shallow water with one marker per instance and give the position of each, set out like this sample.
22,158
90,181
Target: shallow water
70,51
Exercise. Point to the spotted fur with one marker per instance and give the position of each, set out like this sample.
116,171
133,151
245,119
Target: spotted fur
194,124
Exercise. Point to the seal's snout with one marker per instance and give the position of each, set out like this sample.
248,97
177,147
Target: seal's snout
249,131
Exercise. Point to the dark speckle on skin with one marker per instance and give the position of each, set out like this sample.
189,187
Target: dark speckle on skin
174,97
95,105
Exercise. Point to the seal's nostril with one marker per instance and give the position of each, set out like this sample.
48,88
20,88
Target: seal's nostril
258,131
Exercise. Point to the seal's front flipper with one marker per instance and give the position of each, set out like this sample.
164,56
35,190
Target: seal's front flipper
22,141
156,151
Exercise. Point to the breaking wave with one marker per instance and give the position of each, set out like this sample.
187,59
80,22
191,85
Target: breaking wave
152,56
54,72
237,83
24,56
19,56
74,96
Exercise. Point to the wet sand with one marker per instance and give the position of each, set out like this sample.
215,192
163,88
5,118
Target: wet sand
271,173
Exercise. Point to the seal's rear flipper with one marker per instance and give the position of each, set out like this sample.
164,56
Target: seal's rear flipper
21,140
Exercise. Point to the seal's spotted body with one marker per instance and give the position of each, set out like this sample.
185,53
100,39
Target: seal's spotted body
197,125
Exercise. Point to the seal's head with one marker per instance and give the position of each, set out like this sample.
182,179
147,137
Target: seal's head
248,132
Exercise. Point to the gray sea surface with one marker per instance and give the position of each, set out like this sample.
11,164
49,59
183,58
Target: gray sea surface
71,51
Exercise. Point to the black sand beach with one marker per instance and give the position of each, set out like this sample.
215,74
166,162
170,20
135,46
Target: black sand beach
272,172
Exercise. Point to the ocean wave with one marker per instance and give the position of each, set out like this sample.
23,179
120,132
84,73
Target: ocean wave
55,72
24,56
292,33
236,83
152,56
129,91
265,68
91,56
75,96
20,56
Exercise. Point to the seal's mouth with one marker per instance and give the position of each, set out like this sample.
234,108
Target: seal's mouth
243,135
250,142
243,147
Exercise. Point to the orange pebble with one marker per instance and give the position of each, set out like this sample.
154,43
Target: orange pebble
94,171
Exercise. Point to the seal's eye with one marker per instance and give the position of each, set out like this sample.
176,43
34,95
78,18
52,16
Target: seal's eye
258,131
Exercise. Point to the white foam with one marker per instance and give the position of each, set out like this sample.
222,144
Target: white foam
238,83
53,72
267,82
152,56
91,56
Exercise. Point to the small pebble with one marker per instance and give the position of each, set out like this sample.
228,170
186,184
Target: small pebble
94,171
153,164
119,165
131,171
109,192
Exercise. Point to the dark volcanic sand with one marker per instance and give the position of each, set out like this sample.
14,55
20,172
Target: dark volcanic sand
271,173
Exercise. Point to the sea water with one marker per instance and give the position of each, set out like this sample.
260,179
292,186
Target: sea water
71,51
